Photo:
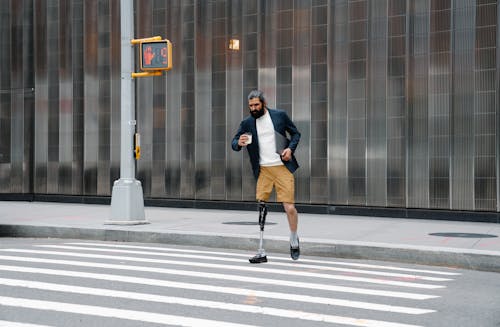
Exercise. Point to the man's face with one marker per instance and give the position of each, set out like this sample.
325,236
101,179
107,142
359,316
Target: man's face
256,108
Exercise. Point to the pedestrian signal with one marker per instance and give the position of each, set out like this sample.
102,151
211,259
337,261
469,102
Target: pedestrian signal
155,55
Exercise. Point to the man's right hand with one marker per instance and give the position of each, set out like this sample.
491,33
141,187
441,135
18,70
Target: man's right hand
242,141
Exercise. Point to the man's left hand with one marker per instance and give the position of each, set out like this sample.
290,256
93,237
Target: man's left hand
286,154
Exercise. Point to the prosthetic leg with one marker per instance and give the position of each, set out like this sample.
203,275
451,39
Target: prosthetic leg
261,254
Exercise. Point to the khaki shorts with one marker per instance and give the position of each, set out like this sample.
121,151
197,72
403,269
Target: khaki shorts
281,179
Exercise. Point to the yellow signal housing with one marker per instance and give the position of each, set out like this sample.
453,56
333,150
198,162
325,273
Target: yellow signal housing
153,38
147,74
155,55
137,148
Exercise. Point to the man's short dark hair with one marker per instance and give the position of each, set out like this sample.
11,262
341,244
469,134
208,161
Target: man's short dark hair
257,94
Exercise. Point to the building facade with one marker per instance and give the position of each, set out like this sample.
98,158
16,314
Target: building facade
397,100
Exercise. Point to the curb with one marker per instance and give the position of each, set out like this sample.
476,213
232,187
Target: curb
423,255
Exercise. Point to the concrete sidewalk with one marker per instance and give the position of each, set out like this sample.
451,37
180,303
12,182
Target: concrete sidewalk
432,242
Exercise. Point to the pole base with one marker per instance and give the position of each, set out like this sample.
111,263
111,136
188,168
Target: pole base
127,203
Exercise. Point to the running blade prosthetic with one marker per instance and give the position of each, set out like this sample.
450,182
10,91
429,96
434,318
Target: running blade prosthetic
261,257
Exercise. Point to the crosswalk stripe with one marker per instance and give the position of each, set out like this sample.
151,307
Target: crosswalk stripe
275,257
108,312
203,303
239,268
213,304
217,289
5,323
165,319
225,259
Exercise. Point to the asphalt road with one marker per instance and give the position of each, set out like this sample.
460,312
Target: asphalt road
52,282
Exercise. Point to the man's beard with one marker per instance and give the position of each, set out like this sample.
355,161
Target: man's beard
257,113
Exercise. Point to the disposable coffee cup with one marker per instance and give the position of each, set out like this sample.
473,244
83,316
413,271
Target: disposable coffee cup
249,140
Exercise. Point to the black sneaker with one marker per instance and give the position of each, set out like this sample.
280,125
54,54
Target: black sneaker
295,252
258,258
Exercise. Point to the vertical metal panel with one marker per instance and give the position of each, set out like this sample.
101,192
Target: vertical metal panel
268,26
41,98
91,97
53,96
319,103
485,109
286,54
5,97
219,134
188,112
174,96
440,105
496,103
144,100
203,87
28,85
160,13
377,125
234,96
115,90
17,100
417,152
301,95
104,101
337,102
396,105
462,129
78,92
65,98
356,101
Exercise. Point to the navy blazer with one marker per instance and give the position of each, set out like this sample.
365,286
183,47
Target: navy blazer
282,124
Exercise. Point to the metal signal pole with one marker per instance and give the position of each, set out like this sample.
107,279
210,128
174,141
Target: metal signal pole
127,202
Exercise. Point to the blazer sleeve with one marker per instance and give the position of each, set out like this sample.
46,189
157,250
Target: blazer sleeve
234,143
293,131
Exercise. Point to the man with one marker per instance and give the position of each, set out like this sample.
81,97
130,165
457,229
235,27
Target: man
272,158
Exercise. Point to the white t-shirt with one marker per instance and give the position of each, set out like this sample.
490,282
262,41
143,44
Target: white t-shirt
267,142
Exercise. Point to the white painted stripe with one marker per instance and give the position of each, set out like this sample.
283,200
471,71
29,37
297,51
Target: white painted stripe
282,264
165,319
219,289
5,323
208,304
275,257
238,268
107,312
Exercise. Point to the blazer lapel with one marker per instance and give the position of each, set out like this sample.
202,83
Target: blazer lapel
277,122
253,130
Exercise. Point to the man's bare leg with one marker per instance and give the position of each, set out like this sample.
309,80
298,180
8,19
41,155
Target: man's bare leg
292,215
293,220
